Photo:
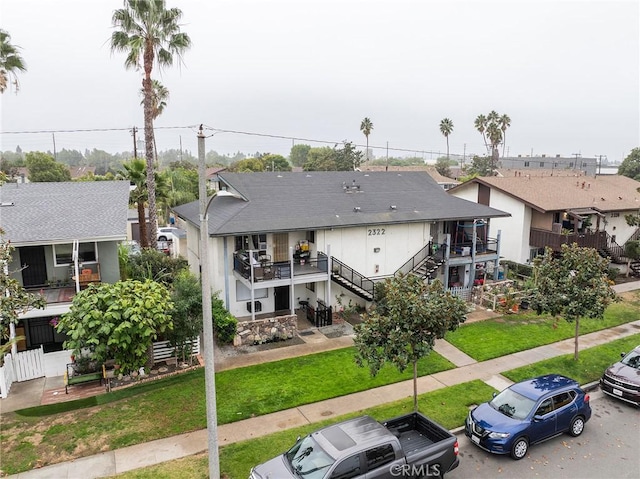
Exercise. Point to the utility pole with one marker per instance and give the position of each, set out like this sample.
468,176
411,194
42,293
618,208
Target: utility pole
135,144
207,319
387,167
577,155
55,156
600,163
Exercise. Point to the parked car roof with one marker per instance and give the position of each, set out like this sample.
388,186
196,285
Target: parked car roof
541,385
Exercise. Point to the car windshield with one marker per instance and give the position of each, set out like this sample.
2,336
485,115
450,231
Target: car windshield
632,360
512,404
307,459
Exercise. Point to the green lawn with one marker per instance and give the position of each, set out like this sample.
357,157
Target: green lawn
590,365
511,333
163,408
444,406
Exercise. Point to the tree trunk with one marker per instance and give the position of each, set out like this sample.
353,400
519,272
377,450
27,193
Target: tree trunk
575,353
415,385
142,223
148,146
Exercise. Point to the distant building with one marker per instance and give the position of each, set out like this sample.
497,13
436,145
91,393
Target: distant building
588,166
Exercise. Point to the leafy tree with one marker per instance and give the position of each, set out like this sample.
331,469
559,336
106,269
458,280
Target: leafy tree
319,159
187,312
10,62
154,265
247,165
442,167
14,300
273,162
574,285
366,127
408,318
225,325
117,321
149,33
630,166
632,252
480,166
298,154
182,187
44,168
446,128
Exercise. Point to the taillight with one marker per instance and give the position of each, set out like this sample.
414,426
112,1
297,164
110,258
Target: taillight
586,398
456,448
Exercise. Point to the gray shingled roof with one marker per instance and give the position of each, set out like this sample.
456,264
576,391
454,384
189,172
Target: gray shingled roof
291,201
37,213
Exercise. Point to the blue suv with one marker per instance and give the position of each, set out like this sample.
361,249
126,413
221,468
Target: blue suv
529,412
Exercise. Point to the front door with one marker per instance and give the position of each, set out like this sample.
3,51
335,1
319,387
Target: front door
35,273
281,298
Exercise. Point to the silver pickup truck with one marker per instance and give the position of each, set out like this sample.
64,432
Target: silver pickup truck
407,446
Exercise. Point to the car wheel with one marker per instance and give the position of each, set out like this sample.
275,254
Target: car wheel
162,238
519,448
577,426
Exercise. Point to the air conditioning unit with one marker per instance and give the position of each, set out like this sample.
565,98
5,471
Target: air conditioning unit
262,246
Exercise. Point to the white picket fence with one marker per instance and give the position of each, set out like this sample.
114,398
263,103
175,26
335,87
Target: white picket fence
162,350
23,366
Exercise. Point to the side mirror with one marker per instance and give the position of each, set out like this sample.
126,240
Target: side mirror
495,394
622,355
537,418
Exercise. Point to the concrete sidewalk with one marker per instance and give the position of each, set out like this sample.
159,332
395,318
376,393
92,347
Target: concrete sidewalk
142,455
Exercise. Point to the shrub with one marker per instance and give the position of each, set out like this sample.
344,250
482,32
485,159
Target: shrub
225,325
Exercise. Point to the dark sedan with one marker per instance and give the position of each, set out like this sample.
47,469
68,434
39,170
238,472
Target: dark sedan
622,380
529,412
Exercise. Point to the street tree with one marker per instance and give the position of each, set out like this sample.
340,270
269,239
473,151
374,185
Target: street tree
572,285
505,122
408,317
366,126
630,166
273,162
44,168
117,321
493,129
480,166
14,300
446,128
298,154
149,33
247,165
11,62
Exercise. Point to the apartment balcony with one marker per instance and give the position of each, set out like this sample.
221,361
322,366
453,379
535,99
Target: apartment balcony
589,239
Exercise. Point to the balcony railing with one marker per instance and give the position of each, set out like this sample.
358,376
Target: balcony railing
542,238
266,270
488,246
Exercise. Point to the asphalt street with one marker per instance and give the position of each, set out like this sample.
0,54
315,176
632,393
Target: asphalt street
609,448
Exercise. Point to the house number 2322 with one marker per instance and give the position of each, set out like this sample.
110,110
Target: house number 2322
376,232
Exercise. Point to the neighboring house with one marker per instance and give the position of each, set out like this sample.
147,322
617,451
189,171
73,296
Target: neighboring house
81,171
576,164
281,240
66,236
212,177
551,210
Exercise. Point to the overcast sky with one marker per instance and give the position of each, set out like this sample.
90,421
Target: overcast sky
567,73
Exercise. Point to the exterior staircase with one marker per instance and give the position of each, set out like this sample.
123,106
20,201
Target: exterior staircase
351,280
425,262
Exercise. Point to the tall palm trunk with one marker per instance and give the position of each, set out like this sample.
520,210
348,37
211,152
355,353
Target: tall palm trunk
142,220
148,146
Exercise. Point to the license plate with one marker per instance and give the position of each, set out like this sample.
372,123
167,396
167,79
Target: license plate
617,392
475,439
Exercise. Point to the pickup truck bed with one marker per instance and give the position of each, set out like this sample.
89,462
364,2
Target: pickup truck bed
415,433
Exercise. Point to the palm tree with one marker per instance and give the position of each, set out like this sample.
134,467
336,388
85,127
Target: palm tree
365,127
160,95
136,172
505,122
481,126
10,62
150,34
446,128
